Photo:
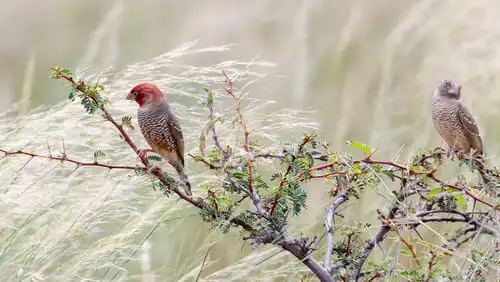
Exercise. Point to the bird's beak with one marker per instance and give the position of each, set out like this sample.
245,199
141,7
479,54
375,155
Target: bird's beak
452,91
131,97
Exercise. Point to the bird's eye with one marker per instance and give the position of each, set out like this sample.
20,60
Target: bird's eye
135,94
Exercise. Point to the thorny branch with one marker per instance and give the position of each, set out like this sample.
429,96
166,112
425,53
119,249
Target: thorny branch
64,158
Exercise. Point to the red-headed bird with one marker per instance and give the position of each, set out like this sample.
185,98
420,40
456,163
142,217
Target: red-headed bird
160,128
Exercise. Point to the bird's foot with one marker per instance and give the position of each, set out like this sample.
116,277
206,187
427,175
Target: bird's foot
143,153
451,154
155,169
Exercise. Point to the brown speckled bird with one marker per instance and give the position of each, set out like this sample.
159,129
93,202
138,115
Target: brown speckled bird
160,127
455,124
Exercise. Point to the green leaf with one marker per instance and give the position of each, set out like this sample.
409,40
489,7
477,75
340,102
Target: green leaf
210,98
127,121
363,147
139,171
154,158
72,94
98,154
434,192
462,204
66,72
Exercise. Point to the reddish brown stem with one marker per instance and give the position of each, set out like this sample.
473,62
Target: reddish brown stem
333,173
246,145
211,195
430,174
348,248
430,265
467,192
410,247
374,276
66,159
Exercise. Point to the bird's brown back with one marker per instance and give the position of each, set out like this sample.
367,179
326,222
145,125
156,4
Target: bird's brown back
161,129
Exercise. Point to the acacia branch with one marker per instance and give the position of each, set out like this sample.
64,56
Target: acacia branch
329,221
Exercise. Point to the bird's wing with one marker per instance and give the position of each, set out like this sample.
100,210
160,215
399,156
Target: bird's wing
471,130
175,129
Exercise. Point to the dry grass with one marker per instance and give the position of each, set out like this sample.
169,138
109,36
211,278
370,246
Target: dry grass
367,68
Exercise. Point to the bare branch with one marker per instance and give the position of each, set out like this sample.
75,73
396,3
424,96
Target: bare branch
329,220
466,218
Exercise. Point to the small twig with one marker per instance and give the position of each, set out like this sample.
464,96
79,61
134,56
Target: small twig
202,160
333,173
410,247
348,247
466,218
430,264
211,195
203,262
215,136
48,148
316,154
374,276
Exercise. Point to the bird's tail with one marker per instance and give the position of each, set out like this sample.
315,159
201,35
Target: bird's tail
184,179
489,187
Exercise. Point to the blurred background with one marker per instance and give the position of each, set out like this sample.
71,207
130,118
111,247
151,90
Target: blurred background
368,68
354,62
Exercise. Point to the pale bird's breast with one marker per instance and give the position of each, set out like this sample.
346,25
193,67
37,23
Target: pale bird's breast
448,125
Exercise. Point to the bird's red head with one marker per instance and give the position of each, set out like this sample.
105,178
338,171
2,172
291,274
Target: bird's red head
145,93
